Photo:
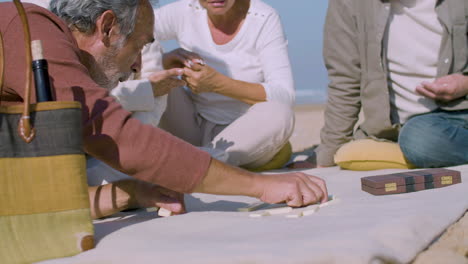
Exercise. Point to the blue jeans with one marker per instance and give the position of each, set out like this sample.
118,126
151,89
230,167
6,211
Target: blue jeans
436,139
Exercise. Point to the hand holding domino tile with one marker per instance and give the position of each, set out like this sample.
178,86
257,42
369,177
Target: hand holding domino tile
131,194
294,189
162,212
153,196
290,211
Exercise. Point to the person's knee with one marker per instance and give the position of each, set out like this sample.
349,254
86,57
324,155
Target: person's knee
278,115
411,133
411,147
414,140
425,142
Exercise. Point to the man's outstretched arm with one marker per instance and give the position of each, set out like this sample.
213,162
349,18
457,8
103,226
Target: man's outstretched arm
296,189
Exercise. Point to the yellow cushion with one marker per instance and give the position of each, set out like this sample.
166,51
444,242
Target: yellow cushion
368,154
278,161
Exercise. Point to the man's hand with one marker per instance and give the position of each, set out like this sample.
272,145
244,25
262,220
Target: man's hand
180,58
202,78
164,81
295,189
114,197
150,195
445,88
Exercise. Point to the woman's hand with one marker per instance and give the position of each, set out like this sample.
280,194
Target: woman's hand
202,78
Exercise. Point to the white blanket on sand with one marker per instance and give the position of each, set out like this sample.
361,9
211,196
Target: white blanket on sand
362,228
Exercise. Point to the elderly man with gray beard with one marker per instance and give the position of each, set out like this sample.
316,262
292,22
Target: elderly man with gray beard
96,44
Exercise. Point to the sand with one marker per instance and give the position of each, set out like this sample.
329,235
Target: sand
309,121
451,247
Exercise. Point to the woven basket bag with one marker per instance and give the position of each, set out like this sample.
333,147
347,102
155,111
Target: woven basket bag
44,204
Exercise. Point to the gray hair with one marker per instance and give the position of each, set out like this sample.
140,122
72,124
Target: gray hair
83,14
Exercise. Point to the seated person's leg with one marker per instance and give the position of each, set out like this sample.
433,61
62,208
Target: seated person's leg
181,120
436,139
180,117
256,137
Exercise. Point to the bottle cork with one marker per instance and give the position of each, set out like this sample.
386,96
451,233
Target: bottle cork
36,50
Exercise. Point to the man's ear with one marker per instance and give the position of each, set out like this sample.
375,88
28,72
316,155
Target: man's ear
106,27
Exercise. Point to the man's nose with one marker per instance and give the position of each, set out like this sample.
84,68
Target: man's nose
136,66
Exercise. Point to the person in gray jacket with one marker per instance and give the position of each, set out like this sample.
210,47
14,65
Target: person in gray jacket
404,63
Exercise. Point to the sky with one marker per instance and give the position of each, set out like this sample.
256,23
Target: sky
303,24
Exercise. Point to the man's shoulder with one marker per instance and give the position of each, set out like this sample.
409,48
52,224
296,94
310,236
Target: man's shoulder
9,13
9,9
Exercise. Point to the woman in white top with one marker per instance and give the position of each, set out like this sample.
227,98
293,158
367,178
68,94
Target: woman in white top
240,90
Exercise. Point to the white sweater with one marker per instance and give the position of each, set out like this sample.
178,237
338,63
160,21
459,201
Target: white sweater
137,95
414,38
257,54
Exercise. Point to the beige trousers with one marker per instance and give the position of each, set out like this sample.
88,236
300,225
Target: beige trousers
250,141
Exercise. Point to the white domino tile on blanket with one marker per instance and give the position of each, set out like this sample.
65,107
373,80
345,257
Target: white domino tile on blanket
251,207
306,211
164,212
152,209
333,201
268,212
288,211
281,210
161,211
259,214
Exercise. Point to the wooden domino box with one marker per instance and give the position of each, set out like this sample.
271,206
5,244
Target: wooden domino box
410,181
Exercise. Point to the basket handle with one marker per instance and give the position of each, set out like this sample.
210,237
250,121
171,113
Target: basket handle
26,131
2,66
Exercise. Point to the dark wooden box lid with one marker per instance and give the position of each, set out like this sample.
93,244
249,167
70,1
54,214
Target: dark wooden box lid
411,177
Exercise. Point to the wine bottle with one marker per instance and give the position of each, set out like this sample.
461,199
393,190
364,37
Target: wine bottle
41,73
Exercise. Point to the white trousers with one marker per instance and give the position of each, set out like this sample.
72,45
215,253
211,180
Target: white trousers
250,141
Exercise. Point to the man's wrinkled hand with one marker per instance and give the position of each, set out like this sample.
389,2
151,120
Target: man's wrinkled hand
164,81
150,195
180,58
295,189
445,88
